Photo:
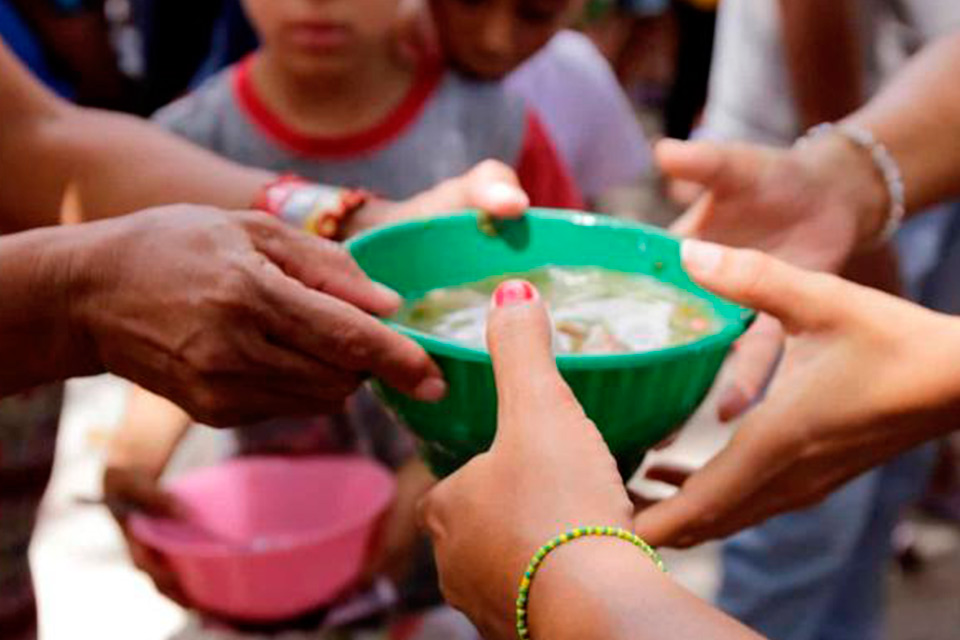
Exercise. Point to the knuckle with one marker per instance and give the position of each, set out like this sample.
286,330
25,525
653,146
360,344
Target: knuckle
260,223
238,284
827,288
212,407
403,355
336,252
356,349
210,357
752,273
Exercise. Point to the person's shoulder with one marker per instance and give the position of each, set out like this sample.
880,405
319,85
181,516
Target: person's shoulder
574,53
479,98
573,45
569,68
476,119
197,115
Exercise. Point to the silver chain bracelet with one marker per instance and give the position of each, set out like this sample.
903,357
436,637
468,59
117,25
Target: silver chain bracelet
884,162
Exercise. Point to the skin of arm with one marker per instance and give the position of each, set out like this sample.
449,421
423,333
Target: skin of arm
136,458
37,287
150,432
916,116
97,165
598,589
823,51
109,163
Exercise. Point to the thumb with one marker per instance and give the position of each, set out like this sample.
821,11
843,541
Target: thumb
495,188
140,492
519,336
717,167
797,298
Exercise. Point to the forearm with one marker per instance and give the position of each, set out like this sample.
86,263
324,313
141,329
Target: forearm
606,589
823,52
118,164
39,337
151,429
105,164
102,164
918,118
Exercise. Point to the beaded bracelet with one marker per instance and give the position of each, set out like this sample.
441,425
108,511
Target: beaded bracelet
523,630
314,208
883,162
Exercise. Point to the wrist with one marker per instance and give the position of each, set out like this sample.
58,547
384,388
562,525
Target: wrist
851,183
317,209
86,277
40,283
588,589
373,213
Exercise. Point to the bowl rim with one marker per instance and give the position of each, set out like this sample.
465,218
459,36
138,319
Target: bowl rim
141,528
733,329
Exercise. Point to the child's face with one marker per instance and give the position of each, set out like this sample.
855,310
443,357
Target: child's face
323,36
491,38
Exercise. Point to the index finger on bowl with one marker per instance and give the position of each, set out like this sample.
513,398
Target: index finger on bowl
330,329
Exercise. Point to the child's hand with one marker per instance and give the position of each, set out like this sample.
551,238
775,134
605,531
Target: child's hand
398,543
548,471
127,490
491,186
865,376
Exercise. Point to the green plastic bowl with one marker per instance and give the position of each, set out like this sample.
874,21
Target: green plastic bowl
636,399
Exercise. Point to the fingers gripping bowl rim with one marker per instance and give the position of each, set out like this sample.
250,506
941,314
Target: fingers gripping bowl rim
635,399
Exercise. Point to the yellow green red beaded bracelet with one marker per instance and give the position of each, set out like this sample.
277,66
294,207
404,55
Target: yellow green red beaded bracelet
523,630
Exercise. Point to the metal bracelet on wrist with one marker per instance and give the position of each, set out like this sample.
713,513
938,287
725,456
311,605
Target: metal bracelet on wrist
883,161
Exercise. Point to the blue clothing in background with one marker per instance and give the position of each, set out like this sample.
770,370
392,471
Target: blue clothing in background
819,574
233,39
22,41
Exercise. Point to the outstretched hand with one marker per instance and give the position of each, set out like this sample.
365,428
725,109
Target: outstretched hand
811,206
865,376
490,186
235,316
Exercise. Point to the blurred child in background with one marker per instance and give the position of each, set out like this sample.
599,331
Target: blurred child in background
561,75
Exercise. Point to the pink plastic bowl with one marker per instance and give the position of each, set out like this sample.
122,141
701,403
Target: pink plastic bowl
268,539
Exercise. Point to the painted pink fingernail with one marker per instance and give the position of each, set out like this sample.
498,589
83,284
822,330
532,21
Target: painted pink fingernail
514,292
